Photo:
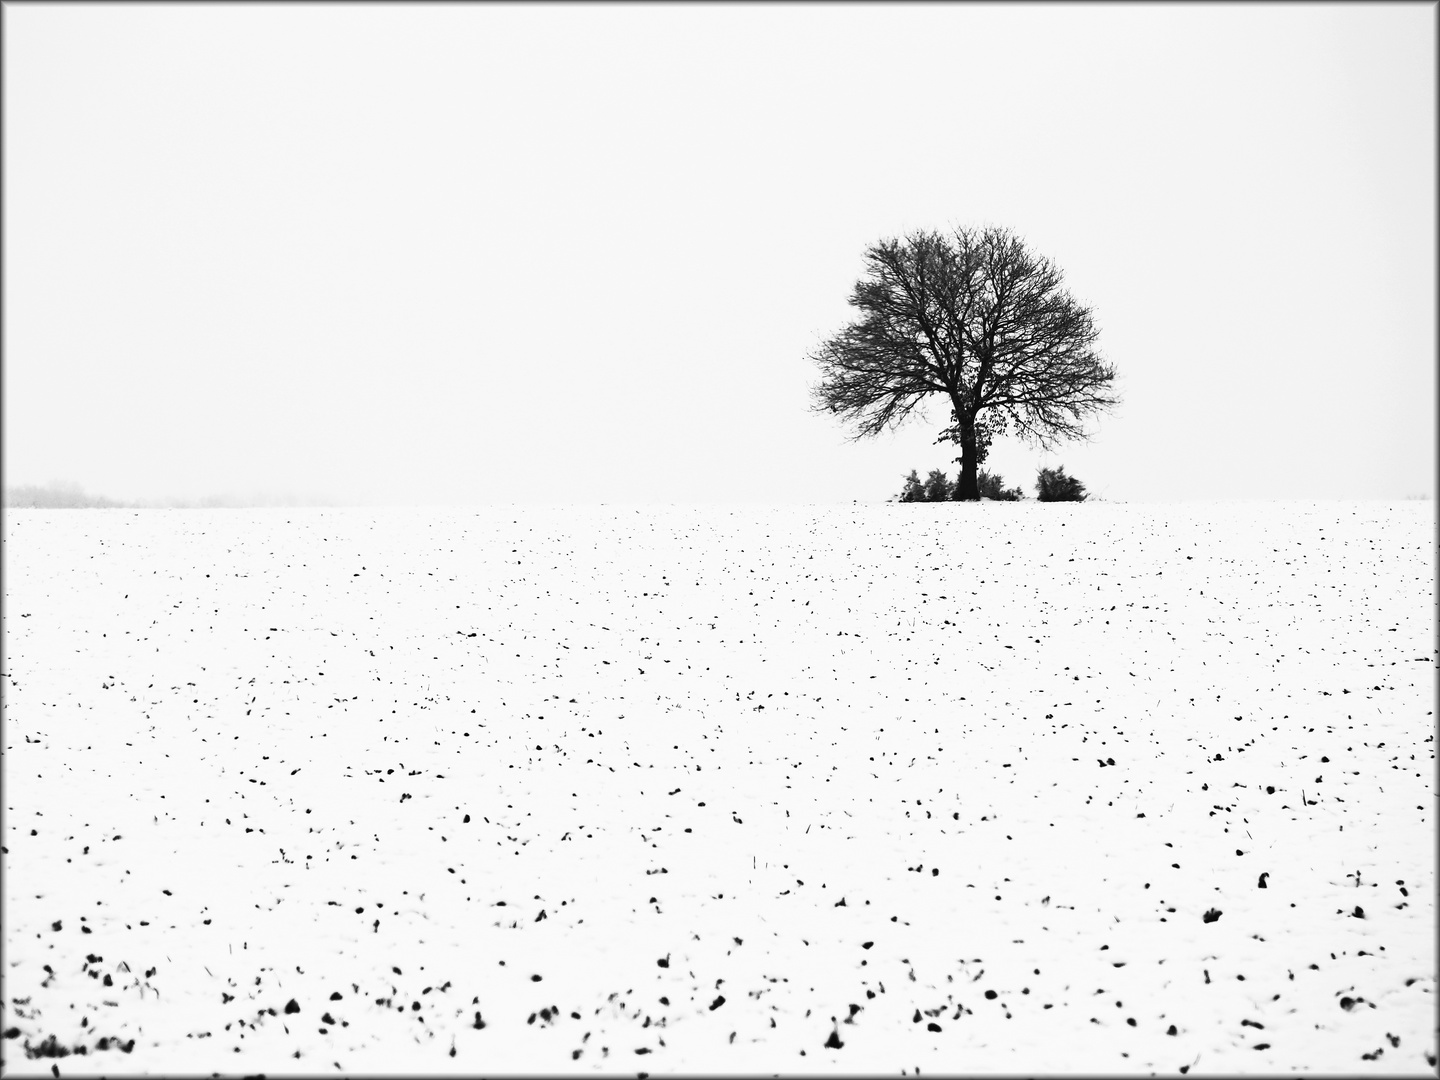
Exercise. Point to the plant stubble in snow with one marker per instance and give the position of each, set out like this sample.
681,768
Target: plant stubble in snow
1097,788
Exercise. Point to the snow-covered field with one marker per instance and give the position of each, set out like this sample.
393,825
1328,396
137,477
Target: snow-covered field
1100,788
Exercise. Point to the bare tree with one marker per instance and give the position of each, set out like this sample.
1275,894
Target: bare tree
976,318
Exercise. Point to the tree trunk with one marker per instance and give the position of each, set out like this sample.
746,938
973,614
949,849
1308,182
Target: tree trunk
968,489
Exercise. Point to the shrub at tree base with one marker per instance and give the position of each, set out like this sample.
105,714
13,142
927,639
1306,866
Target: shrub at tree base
913,491
993,487
937,487
1052,485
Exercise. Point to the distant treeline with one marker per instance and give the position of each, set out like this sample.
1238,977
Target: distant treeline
57,495
1051,485
67,495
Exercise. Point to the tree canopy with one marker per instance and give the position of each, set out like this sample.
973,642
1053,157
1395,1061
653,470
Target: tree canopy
975,317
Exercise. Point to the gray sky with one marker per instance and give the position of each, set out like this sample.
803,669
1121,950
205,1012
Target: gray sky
480,253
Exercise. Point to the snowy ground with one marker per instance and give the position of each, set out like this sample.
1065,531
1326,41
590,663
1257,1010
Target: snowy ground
815,789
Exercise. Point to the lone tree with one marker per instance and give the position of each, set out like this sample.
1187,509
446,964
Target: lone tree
977,318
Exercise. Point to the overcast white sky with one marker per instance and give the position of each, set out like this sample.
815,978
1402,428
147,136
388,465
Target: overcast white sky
476,253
